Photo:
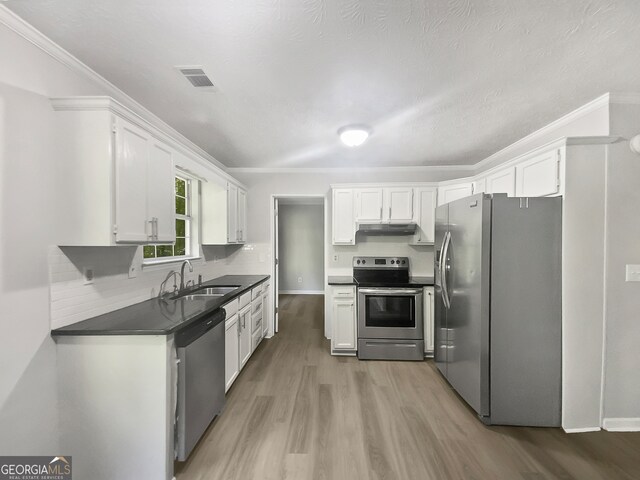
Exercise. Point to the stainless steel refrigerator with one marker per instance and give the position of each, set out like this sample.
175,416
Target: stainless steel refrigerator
498,333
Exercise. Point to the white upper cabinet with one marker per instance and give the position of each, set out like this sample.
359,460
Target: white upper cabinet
116,182
425,205
224,213
384,204
398,204
502,181
479,185
368,205
232,218
343,218
242,215
133,146
161,205
449,193
539,176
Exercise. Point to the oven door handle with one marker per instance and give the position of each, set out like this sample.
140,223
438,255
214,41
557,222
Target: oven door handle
390,291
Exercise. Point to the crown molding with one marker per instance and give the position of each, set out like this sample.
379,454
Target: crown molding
48,46
409,169
506,153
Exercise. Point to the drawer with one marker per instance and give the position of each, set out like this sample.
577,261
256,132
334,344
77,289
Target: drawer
256,321
256,305
265,287
245,299
231,308
256,292
230,321
343,292
256,338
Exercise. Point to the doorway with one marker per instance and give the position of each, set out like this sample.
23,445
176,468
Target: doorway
298,240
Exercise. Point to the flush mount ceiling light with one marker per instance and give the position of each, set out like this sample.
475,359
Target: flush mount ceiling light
354,135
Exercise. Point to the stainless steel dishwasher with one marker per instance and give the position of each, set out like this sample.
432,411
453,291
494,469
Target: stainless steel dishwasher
200,350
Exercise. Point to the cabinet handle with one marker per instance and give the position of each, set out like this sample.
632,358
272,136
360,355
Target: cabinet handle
389,213
380,213
151,223
155,227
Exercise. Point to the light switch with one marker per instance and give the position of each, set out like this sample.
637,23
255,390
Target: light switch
632,273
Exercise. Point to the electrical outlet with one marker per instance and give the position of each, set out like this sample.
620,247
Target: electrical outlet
335,258
299,279
632,273
133,271
87,273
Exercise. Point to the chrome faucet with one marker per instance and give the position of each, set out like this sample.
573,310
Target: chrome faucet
186,262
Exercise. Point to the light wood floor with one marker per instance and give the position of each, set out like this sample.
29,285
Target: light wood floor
295,412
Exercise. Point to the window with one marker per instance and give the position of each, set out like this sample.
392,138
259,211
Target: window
184,225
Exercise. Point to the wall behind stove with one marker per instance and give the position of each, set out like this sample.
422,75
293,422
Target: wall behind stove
420,257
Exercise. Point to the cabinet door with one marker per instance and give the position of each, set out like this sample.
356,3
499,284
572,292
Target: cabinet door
428,319
479,186
232,213
343,336
242,215
449,193
398,205
343,223
368,205
503,181
426,210
244,318
161,193
231,351
132,159
266,313
539,176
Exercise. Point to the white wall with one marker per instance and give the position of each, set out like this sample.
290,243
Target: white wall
28,396
622,353
301,248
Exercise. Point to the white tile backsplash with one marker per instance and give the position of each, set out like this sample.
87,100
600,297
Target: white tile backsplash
73,301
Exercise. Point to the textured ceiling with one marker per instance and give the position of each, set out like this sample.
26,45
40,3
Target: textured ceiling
439,81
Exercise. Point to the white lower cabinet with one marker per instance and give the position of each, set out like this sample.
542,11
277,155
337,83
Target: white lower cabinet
428,312
343,320
266,309
244,319
231,352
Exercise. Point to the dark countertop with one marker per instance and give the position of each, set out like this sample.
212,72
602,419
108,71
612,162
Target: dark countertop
348,280
162,317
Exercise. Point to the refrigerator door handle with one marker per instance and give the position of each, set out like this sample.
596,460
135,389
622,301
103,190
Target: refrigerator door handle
443,271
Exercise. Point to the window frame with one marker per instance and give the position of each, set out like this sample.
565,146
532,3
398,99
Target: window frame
191,216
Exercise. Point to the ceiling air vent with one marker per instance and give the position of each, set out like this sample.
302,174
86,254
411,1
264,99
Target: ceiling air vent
196,76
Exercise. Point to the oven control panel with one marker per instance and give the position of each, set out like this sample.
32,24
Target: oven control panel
381,262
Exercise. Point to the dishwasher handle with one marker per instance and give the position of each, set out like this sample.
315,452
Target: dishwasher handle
190,334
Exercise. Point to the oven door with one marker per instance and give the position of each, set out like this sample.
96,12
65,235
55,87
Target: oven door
390,313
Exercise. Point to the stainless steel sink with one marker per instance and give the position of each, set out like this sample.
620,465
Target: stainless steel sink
207,292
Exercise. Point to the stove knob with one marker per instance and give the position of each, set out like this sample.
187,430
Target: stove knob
364,261
358,262
404,261
392,262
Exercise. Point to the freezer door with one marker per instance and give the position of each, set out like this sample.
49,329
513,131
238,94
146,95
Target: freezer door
440,313
466,269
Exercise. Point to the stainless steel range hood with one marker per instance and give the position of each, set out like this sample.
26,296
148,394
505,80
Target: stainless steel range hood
387,228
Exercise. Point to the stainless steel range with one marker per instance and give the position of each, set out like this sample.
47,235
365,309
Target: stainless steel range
390,324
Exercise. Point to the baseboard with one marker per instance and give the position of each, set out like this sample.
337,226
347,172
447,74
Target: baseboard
581,430
621,424
301,292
